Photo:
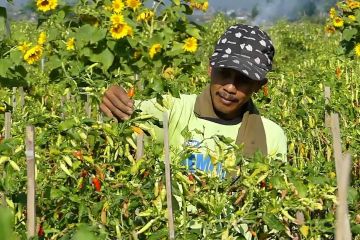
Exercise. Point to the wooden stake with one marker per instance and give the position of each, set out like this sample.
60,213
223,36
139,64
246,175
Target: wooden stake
62,107
13,100
335,130
327,99
22,97
343,231
168,177
88,106
30,163
139,146
7,125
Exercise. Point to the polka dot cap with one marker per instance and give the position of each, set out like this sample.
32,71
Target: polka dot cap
246,49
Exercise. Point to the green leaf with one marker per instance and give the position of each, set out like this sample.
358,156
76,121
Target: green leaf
106,58
177,49
97,35
348,34
194,32
83,33
16,57
54,62
273,222
5,64
66,125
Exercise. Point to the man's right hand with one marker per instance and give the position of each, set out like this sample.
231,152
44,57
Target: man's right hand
116,103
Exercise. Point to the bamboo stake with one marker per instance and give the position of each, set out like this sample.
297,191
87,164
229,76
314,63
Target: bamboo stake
22,97
30,163
343,231
140,146
168,177
327,99
7,125
88,106
62,107
13,100
335,129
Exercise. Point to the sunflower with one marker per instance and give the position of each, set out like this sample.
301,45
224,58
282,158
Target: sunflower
117,19
120,30
117,6
24,47
332,13
205,6
134,4
354,4
33,54
42,38
46,5
352,18
145,16
338,22
357,49
155,48
190,45
70,44
330,29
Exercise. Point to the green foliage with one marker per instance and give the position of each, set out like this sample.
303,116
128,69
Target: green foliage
130,204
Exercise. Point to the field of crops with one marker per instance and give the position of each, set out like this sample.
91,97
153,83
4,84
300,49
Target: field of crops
89,182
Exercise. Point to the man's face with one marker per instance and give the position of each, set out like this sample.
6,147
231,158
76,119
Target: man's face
230,90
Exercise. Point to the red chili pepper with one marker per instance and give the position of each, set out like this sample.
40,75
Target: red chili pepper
131,92
263,184
191,177
41,232
97,184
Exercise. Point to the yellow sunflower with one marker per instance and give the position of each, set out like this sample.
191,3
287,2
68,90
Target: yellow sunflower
190,45
24,47
205,6
332,13
155,48
33,54
117,6
134,4
70,44
338,22
357,49
46,5
354,4
352,18
145,16
42,38
120,30
117,19
330,29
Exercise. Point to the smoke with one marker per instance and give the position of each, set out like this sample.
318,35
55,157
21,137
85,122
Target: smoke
272,10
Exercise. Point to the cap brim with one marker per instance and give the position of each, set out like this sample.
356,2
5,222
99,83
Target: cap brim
241,64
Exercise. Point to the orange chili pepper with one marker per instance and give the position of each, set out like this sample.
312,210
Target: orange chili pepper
338,72
97,184
137,129
266,90
131,92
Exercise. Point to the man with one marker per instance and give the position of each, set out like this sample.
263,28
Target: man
242,57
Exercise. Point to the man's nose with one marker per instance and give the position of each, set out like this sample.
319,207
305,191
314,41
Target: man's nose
230,84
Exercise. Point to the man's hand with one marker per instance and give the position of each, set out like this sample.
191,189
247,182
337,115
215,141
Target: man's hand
116,103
